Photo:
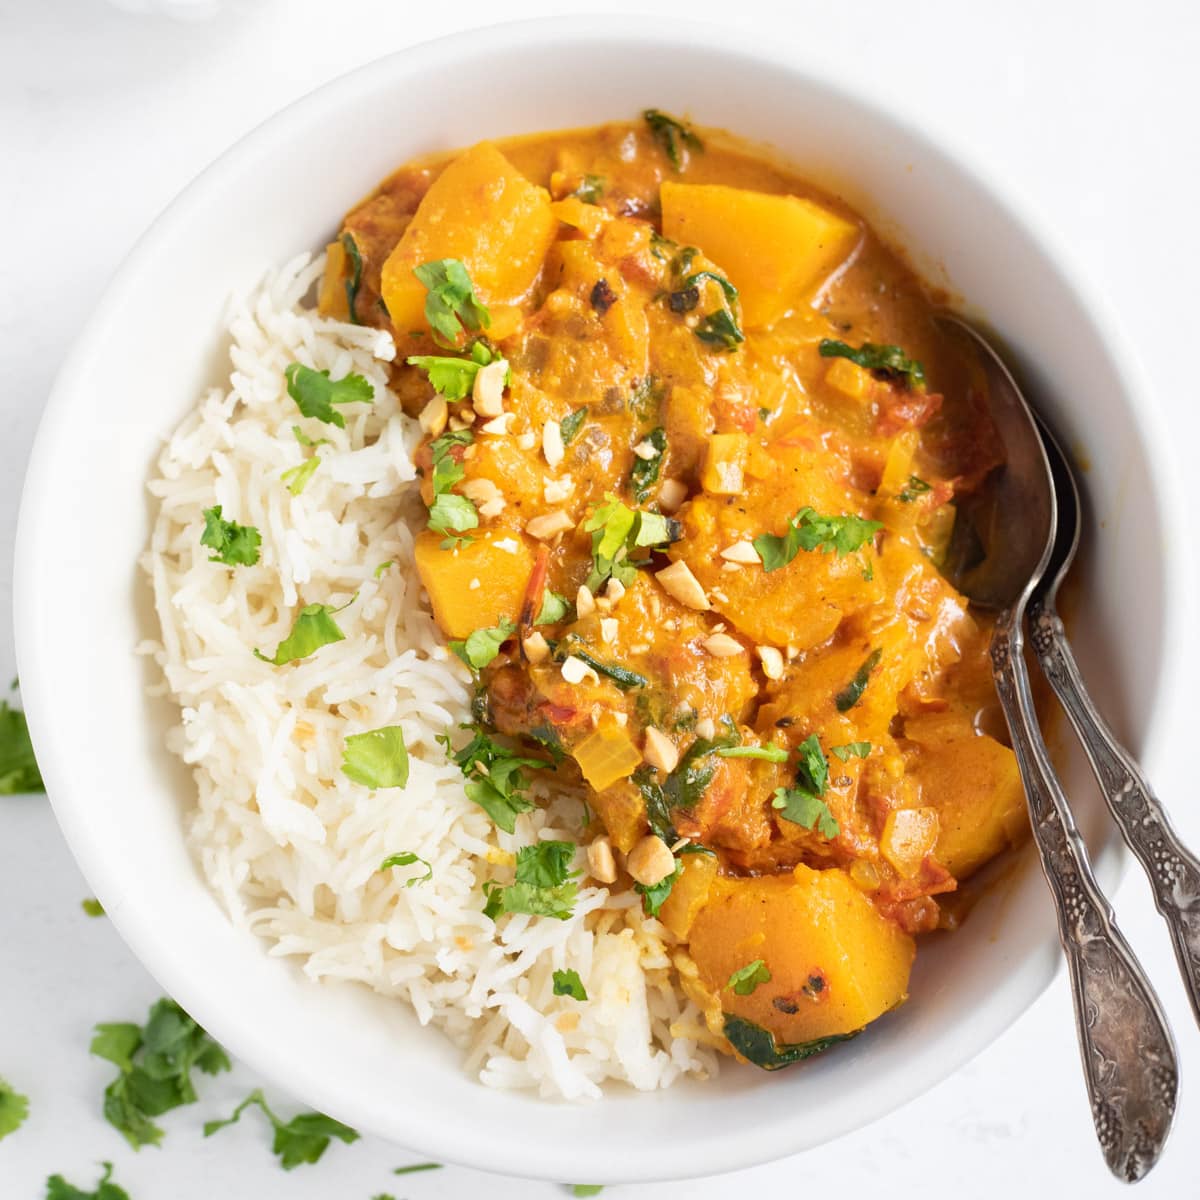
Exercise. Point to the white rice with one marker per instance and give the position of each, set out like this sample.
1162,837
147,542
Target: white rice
290,845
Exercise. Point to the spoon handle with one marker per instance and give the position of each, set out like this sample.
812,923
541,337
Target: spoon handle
1128,1053
1173,869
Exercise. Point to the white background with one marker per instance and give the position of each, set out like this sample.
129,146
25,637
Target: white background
1090,108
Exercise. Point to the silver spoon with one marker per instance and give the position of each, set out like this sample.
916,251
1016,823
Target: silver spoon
1173,869
998,556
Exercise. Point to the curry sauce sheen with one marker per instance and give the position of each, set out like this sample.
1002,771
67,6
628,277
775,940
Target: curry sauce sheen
692,471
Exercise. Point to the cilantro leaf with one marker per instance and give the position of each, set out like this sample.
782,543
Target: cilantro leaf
568,983
378,759
451,306
655,896
746,979
809,530
453,378
315,393
155,1065
481,647
305,440
851,694
813,771
303,1139
406,858
769,753
915,487
617,532
57,1188
495,779
235,545
296,478
689,781
450,513
14,1108
571,424
803,808
646,471
92,907
554,608
720,330
888,362
851,750
18,768
314,628
447,470
672,135
543,886
591,189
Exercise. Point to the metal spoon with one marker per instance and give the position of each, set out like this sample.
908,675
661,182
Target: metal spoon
999,555
1173,869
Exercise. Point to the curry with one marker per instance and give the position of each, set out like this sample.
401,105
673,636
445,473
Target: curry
692,447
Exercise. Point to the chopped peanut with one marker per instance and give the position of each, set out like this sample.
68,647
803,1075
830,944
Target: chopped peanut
575,670
650,861
721,645
608,630
671,495
497,425
487,393
537,649
741,552
434,416
772,661
659,751
678,581
548,525
602,867
552,443
585,602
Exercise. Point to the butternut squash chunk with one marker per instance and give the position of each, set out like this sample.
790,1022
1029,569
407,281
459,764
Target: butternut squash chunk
835,963
688,893
974,785
484,212
476,585
776,249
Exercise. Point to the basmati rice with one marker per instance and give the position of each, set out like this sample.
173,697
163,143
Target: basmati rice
289,844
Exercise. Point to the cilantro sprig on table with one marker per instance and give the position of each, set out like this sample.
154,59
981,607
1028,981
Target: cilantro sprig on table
155,1064
18,768
14,1108
303,1139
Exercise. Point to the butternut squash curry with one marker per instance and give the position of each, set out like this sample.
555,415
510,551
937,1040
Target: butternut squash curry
692,446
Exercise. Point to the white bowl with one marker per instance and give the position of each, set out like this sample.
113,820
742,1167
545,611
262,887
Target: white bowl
153,344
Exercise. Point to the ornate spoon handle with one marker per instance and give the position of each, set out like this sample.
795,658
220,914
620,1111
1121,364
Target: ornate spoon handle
1128,1053
1173,869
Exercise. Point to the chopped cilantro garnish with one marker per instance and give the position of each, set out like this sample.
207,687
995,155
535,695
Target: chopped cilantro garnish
155,1065
235,545
915,487
654,896
769,752
296,478
18,768
303,1139
809,530
544,887
314,628
618,533
720,329
851,750
495,779
315,393
689,781
383,566
92,907
416,1167
571,424
406,858
591,189
451,307
554,608
802,804
568,983
305,440
57,1188
450,513
453,378
14,1108
378,759
672,134
744,980
889,362
851,694
481,647
646,471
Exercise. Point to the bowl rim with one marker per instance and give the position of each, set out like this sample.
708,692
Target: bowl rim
743,51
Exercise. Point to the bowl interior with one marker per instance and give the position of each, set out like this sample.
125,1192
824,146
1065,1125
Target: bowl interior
153,344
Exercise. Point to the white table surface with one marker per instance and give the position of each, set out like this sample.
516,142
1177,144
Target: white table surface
104,115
